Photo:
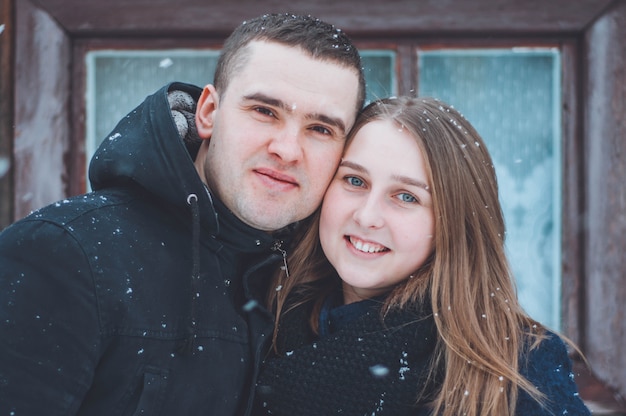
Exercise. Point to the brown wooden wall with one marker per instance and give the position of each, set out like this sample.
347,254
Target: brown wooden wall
605,196
7,49
42,124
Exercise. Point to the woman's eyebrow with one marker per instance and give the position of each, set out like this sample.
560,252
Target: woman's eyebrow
411,181
400,178
352,165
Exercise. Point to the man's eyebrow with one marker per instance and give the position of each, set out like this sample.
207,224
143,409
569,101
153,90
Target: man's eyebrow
338,123
266,99
400,178
274,102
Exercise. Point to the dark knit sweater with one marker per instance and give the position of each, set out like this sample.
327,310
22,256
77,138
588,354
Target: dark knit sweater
362,366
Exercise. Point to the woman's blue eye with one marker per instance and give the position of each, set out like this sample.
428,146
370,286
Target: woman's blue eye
354,181
404,197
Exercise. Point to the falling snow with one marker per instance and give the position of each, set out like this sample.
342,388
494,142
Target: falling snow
379,370
166,63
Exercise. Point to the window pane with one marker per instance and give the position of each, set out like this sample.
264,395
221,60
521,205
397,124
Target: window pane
379,69
118,81
512,97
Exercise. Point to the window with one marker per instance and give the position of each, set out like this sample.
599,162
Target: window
118,81
512,96
380,76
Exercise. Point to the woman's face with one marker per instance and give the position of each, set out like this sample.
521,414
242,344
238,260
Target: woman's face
377,220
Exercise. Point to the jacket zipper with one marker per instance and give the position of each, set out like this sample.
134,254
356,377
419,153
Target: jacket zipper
257,352
278,246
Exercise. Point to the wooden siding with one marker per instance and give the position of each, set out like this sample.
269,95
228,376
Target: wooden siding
605,196
42,125
7,49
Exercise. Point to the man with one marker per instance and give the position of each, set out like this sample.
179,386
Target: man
145,296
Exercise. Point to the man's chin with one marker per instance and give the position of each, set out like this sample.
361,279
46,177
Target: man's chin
269,223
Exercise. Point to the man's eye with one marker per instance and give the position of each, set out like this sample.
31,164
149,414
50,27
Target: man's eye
354,181
322,130
264,111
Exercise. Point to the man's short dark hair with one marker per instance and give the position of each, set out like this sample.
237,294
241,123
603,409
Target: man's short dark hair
319,39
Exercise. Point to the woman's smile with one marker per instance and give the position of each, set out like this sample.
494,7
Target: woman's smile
365,246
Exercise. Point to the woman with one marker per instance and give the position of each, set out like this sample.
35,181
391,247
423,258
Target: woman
399,299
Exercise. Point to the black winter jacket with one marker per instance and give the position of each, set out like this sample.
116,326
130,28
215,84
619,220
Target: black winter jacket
128,300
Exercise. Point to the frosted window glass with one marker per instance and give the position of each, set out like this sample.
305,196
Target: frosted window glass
379,70
118,81
512,97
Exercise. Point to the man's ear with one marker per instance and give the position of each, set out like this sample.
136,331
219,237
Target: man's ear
205,111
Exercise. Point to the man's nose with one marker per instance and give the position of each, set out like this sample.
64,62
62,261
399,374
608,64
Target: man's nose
286,144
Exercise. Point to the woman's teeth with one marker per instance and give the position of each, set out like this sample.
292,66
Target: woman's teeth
367,247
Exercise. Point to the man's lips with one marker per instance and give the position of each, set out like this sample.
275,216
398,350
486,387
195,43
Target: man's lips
277,176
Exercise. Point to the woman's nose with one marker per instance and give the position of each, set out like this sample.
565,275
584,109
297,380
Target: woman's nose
369,214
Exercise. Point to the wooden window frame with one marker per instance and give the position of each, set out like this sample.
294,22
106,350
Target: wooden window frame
528,31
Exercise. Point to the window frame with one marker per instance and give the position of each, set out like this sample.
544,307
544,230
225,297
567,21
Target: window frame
406,49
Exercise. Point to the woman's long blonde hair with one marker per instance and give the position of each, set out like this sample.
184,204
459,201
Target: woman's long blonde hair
481,326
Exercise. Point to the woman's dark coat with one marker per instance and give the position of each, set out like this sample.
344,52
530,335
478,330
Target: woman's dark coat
361,366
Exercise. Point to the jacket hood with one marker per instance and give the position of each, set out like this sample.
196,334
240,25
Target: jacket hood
154,147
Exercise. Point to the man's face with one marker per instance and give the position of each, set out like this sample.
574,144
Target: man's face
276,134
